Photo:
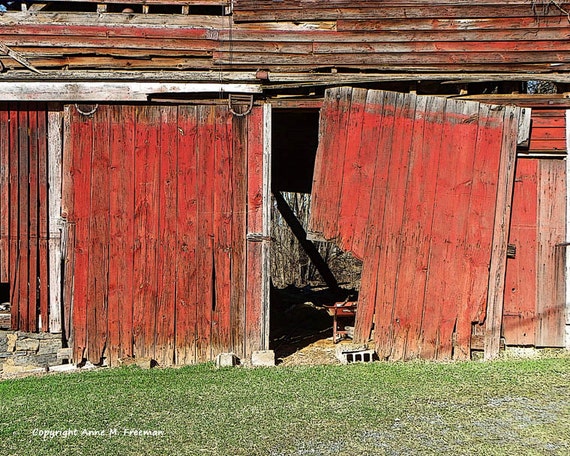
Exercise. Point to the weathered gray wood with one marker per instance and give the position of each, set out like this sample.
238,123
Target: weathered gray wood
55,157
266,226
524,127
301,235
551,254
109,91
18,57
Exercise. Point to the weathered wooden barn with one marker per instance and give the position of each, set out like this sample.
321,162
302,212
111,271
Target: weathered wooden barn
141,141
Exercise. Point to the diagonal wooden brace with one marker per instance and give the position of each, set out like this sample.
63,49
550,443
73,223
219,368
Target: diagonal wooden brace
18,58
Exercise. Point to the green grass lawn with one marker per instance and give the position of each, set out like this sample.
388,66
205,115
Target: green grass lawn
517,407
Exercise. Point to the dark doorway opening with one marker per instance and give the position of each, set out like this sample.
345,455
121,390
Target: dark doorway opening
5,318
306,274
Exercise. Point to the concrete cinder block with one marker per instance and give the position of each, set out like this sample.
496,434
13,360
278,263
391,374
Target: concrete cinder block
263,358
351,353
226,360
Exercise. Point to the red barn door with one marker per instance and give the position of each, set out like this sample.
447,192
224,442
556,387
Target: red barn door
420,189
534,313
162,199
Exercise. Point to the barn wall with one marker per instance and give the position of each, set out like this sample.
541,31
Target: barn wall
535,282
162,199
420,188
515,36
27,243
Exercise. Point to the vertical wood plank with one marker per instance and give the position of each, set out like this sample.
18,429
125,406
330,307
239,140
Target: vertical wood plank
332,143
356,147
412,260
23,219
404,109
167,235
4,192
145,230
519,313
99,238
121,211
80,147
567,307
223,190
67,221
33,217
266,228
483,199
55,189
43,229
186,277
253,312
239,232
550,305
495,295
14,208
382,106
365,170
456,208
205,245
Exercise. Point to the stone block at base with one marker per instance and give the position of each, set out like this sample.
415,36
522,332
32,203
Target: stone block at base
263,358
226,360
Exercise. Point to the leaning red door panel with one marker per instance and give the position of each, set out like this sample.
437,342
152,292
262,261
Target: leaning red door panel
439,201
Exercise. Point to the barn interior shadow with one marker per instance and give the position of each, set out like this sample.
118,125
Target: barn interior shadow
298,316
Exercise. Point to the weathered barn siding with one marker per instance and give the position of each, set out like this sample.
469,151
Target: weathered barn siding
162,199
420,189
548,134
24,214
535,282
515,36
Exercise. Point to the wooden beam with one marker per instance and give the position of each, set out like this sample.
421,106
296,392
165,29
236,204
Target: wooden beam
110,91
266,227
524,127
567,310
55,176
307,245
495,294
18,58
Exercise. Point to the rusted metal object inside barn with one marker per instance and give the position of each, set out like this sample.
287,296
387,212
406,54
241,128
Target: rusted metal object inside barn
146,149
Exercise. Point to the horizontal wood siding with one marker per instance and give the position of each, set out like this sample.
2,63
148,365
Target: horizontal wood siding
428,202
160,232
24,253
548,132
288,36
